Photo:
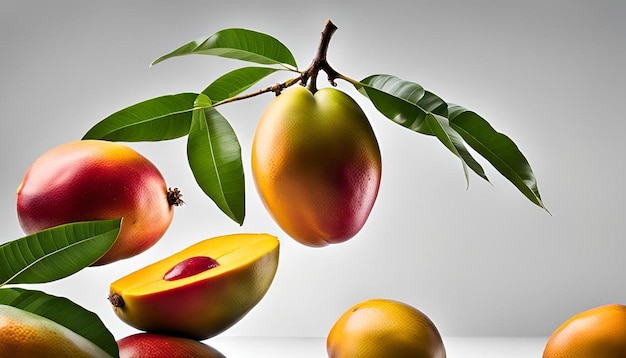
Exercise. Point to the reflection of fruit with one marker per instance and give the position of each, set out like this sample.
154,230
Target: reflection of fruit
316,164
599,332
24,334
384,328
96,180
160,346
202,302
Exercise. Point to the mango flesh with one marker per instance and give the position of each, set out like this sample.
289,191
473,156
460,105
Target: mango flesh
24,334
316,165
152,345
96,180
207,303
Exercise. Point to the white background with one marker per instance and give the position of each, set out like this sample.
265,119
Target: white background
481,261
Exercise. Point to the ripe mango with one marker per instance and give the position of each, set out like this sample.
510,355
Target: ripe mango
97,180
152,345
316,165
384,328
598,332
200,291
24,334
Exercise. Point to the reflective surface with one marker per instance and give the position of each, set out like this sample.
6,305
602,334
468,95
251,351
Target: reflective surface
456,347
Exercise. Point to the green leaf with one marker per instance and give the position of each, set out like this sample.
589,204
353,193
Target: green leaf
409,105
498,149
64,312
161,118
235,82
239,44
396,100
214,156
57,252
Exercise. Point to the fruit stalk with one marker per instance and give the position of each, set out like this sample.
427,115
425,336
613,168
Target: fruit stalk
319,63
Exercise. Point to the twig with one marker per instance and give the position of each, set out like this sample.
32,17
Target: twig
310,74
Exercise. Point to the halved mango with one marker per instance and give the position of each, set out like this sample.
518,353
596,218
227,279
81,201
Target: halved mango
202,302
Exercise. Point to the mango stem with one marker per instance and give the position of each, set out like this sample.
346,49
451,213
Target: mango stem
116,300
174,197
318,64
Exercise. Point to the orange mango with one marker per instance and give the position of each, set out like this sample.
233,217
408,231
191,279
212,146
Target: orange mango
97,180
384,328
316,165
599,332
206,299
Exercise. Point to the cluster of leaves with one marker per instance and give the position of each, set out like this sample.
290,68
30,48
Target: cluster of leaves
214,152
50,255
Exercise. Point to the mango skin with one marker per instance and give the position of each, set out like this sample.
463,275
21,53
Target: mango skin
152,345
24,334
598,332
384,328
316,165
96,180
206,304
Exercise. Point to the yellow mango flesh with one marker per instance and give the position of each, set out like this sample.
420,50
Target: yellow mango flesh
24,334
205,304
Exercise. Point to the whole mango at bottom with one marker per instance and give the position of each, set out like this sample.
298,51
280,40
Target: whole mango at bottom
599,332
24,334
97,180
152,345
200,291
316,164
384,328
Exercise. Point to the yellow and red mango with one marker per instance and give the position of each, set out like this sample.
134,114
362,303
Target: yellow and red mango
25,334
316,164
200,291
152,345
97,180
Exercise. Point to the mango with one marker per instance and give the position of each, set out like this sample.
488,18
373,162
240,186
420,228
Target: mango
316,165
598,332
152,345
97,180
215,283
24,334
384,328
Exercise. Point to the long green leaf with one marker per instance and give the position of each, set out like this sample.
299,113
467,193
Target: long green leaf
239,44
156,119
64,312
409,105
214,155
56,253
498,149
395,101
235,82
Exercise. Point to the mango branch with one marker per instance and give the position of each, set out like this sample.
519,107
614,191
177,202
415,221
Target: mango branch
319,63
277,88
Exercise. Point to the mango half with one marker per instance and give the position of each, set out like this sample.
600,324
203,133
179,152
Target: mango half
200,291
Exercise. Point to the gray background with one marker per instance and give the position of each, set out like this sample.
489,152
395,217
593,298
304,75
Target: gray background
481,261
